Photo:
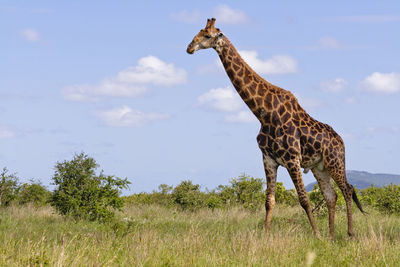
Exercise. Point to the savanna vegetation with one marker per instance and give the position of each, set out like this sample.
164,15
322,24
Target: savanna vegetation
84,221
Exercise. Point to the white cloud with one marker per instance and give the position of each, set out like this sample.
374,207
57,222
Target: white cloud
126,117
221,99
151,69
335,85
129,82
226,100
6,132
243,116
278,64
228,15
387,83
187,16
30,35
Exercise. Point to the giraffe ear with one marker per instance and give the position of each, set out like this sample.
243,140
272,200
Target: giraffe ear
220,34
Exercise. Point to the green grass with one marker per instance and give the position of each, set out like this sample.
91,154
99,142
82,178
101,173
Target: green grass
159,236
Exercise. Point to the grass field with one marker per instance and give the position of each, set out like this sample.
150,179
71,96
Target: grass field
159,236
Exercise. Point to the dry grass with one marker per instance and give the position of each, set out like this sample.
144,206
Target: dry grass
158,236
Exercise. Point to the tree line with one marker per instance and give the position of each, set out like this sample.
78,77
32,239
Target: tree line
81,193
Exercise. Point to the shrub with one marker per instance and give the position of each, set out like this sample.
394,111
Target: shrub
34,193
188,196
370,194
388,199
8,187
283,196
82,194
161,197
213,201
226,194
244,190
317,198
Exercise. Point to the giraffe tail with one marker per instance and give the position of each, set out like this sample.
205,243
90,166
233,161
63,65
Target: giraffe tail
355,198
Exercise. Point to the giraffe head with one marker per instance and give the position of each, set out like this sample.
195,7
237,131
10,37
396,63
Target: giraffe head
206,38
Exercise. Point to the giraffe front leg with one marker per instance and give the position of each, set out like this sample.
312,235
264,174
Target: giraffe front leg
270,167
294,170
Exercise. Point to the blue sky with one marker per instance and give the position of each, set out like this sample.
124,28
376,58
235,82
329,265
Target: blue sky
113,79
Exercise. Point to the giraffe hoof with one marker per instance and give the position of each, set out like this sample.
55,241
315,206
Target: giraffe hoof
352,237
318,235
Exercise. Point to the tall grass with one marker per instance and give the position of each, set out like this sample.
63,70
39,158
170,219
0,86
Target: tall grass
152,235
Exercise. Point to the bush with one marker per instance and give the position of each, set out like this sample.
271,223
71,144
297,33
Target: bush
244,190
388,199
283,196
82,194
34,193
213,201
8,187
188,196
161,197
370,194
317,198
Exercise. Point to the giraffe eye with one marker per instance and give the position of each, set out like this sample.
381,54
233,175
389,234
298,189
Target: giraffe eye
207,36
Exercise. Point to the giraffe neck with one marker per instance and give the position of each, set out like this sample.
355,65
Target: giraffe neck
245,80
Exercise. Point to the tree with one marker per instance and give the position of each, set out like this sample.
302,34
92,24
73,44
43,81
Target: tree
8,187
82,194
388,199
34,193
283,196
317,198
188,196
245,190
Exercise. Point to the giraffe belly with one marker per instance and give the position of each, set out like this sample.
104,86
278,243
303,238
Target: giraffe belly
283,151
310,163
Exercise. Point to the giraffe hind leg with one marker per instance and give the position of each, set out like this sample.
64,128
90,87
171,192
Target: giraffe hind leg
337,171
324,181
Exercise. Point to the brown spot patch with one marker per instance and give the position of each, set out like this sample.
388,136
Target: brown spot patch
244,94
261,90
275,118
261,139
251,103
304,130
285,117
276,101
281,110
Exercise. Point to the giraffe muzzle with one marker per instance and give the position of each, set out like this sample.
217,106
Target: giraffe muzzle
190,49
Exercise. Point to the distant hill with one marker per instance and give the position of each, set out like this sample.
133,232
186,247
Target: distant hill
362,179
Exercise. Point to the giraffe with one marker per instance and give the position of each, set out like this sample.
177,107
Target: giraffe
288,137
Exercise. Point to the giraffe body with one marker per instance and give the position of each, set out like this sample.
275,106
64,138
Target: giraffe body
289,136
